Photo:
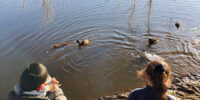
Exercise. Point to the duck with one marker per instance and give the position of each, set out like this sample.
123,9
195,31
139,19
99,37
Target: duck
149,56
56,45
153,41
60,45
177,24
84,42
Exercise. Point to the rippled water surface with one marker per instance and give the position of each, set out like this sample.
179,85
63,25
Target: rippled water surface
118,31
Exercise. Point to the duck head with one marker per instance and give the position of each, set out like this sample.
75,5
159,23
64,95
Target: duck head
177,24
77,41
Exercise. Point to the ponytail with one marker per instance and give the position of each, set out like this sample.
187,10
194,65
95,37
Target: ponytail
159,85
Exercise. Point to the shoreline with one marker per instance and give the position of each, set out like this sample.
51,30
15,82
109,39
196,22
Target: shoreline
184,87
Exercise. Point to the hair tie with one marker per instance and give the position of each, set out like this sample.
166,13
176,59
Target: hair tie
159,69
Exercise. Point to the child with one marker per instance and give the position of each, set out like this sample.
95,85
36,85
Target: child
157,74
36,84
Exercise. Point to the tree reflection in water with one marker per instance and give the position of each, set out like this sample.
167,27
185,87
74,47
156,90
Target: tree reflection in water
48,11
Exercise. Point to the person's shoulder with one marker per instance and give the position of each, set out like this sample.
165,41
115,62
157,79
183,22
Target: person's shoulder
171,97
133,95
12,92
13,96
138,90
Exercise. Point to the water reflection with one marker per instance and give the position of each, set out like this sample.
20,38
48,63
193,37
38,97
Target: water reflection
148,17
130,20
23,4
48,11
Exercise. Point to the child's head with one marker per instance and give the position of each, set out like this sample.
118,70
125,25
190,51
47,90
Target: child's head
33,76
159,75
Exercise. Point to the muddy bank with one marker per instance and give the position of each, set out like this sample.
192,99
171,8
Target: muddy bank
185,87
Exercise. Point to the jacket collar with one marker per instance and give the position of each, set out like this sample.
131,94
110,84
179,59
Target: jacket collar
21,92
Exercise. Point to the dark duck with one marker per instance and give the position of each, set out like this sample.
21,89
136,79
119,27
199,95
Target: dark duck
153,41
177,24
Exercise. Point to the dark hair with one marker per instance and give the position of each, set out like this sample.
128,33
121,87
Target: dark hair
33,77
160,76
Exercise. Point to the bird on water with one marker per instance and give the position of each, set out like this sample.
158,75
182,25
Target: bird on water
153,41
150,57
177,24
84,42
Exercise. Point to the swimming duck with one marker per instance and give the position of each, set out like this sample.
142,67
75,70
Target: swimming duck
150,57
177,24
56,45
153,41
84,42
60,45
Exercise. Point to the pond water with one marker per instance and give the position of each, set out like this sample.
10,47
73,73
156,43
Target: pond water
118,31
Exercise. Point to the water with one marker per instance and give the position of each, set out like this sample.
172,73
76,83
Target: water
118,30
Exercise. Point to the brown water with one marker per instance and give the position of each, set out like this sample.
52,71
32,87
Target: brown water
118,30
